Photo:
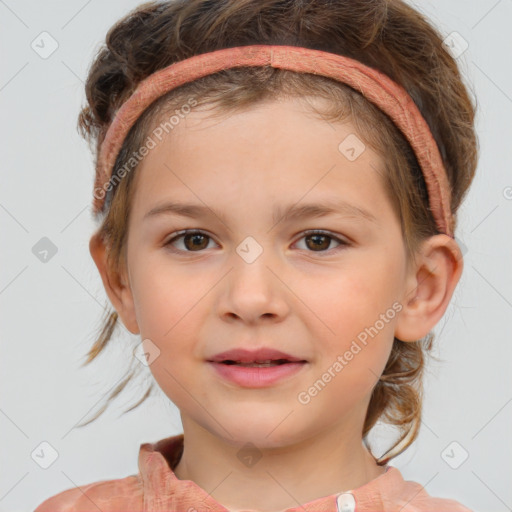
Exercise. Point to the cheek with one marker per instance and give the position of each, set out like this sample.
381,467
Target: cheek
354,318
342,302
163,300
167,307
170,305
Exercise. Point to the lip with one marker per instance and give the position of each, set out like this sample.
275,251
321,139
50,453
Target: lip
250,356
257,377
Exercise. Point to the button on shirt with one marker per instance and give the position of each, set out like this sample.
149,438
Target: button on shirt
346,502
157,489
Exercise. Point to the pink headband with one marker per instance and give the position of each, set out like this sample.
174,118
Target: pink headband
377,87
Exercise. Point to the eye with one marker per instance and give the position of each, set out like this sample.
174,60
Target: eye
321,240
193,240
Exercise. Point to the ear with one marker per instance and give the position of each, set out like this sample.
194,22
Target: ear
116,285
429,287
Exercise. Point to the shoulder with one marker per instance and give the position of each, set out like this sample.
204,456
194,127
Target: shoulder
108,495
416,499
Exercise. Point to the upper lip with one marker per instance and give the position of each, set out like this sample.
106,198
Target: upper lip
249,356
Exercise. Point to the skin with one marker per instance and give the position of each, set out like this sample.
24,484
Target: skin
306,301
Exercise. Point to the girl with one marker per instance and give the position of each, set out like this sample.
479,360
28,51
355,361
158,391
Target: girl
277,185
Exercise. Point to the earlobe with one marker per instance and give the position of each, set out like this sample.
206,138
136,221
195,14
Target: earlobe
429,287
117,289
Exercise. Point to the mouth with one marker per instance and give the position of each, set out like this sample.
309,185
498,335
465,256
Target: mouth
257,368
258,374
261,355
260,364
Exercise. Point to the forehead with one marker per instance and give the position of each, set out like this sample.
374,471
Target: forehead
272,150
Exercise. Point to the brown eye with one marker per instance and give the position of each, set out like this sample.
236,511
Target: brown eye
197,241
320,241
193,241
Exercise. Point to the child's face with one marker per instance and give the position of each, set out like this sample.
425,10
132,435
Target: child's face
311,298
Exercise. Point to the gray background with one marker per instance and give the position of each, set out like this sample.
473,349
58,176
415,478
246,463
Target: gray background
51,310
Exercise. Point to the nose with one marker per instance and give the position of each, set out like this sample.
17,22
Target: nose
254,292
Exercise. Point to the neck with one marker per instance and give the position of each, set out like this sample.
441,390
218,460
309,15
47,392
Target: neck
271,479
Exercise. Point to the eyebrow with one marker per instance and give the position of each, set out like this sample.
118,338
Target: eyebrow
288,213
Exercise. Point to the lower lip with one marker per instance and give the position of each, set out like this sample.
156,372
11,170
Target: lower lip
257,377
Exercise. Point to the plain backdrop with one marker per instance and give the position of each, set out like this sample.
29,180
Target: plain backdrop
51,309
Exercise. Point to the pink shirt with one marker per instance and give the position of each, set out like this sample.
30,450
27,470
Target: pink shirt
157,489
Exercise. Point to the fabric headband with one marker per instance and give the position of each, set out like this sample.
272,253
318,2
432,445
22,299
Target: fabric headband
375,86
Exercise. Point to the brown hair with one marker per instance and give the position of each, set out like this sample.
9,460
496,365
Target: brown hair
387,35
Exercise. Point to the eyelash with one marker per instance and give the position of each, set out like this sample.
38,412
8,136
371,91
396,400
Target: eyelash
181,234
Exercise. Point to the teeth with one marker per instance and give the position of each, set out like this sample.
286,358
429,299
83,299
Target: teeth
258,364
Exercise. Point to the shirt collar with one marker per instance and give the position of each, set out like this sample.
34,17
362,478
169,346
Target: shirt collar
162,488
